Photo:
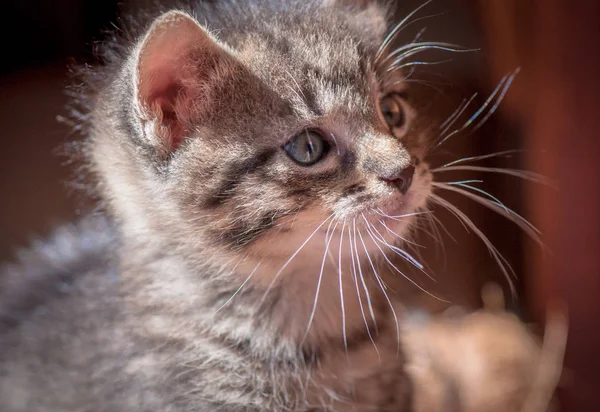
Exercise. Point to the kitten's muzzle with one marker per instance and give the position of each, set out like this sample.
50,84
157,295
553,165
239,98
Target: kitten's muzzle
402,180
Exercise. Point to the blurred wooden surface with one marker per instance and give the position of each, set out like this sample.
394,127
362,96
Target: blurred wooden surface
557,101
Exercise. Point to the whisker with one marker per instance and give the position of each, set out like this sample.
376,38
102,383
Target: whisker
444,228
415,39
317,290
462,182
418,254
292,258
478,112
401,252
486,103
422,82
239,289
478,190
420,63
398,270
420,33
453,115
498,100
342,289
353,255
362,279
382,213
416,48
381,286
523,174
397,235
500,260
501,209
388,39
476,158
435,234
456,115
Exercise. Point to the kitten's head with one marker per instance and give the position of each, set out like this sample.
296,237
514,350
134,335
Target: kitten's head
246,134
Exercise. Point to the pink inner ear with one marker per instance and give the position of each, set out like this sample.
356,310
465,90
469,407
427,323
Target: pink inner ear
159,96
167,75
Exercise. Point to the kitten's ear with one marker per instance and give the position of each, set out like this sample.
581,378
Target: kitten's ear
175,63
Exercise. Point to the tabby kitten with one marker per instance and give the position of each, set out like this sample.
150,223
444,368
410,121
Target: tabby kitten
260,162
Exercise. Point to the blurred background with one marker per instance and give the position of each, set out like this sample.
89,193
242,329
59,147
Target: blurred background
551,113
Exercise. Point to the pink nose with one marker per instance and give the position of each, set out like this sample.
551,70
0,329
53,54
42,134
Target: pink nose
403,180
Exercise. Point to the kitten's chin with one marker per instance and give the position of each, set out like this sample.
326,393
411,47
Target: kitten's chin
394,216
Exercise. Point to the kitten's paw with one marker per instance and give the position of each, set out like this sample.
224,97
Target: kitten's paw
484,361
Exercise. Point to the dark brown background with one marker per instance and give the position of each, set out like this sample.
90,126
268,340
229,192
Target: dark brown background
552,111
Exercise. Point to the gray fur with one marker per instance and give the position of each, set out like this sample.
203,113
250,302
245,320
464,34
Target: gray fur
143,311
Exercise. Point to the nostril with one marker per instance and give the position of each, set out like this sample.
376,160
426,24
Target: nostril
403,180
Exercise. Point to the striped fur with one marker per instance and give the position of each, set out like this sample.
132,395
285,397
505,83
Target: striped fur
196,305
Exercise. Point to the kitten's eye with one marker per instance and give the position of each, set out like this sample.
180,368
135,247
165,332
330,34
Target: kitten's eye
392,110
307,148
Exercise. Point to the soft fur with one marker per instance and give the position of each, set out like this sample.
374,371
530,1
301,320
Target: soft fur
227,277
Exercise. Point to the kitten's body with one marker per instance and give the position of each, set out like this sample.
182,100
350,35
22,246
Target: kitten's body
142,320
229,277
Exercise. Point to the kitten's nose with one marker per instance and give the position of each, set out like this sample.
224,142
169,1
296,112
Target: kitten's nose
402,179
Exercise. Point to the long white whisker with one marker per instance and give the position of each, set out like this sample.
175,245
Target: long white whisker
444,228
419,63
405,255
381,286
502,262
292,258
501,209
415,39
422,82
400,252
477,158
388,39
239,289
465,184
341,284
477,113
317,290
411,50
353,255
380,212
362,279
398,270
435,234
397,235
498,100
420,33
456,115
487,102
523,174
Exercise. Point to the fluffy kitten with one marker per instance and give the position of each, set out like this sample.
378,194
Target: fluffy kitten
259,160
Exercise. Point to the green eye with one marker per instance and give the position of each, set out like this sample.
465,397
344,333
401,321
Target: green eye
307,148
392,110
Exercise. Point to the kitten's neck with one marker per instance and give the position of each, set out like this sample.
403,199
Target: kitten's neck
175,297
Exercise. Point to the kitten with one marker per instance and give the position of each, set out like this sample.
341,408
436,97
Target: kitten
259,160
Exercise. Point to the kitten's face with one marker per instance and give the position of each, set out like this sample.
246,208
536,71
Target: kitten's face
280,131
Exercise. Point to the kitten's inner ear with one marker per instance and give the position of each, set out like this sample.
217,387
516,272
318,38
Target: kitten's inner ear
176,61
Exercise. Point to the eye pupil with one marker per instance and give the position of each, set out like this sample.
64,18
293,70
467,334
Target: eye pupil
307,148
